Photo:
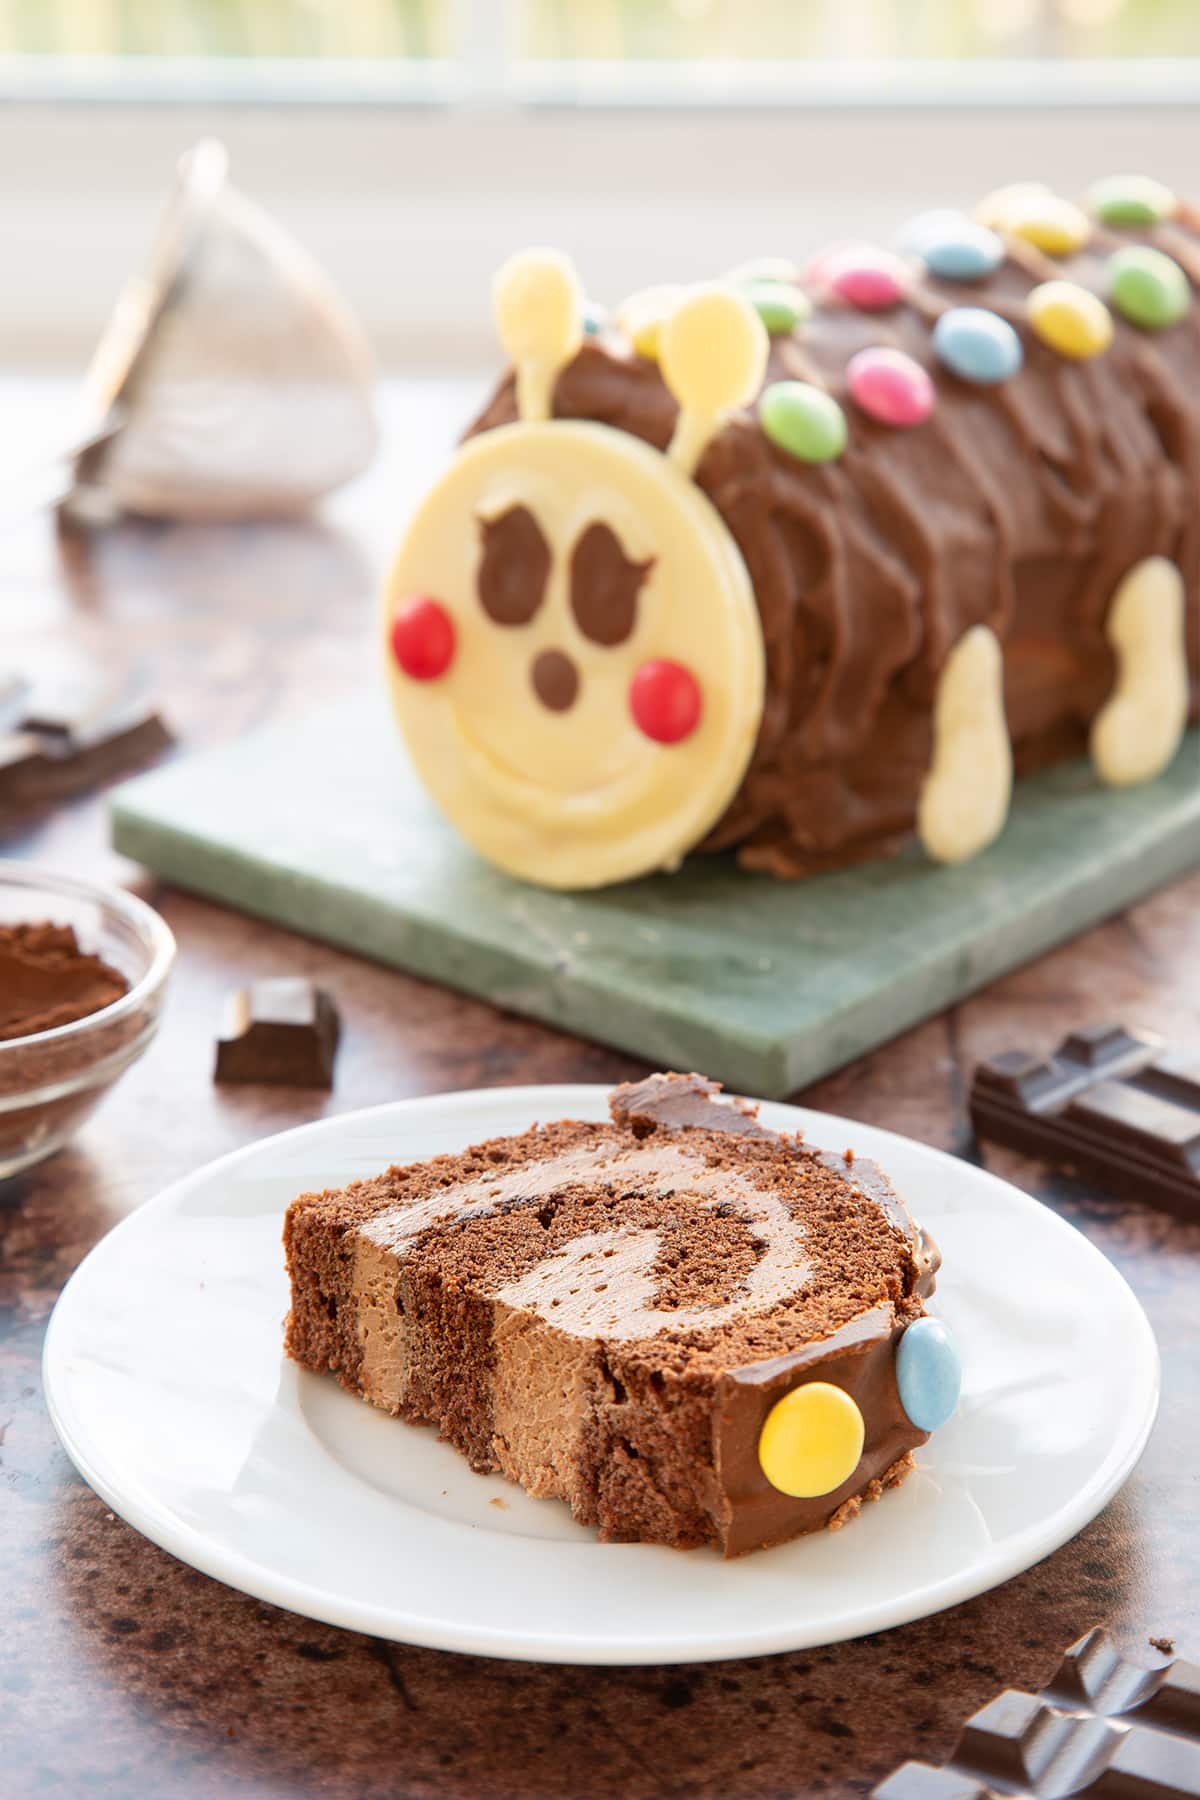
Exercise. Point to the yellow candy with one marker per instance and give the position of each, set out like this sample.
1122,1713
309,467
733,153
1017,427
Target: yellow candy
811,1441
1070,319
1043,219
644,314
994,211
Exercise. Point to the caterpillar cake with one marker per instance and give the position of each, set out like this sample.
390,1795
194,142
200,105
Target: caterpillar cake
692,1329
811,560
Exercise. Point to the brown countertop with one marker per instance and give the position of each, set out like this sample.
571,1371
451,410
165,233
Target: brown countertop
124,1673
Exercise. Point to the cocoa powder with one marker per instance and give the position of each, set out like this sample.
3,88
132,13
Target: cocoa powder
46,980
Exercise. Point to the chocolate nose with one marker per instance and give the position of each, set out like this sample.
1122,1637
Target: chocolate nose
555,680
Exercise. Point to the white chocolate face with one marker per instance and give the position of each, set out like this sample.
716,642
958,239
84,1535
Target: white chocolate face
575,795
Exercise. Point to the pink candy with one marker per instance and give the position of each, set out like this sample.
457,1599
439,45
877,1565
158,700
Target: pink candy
890,387
870,279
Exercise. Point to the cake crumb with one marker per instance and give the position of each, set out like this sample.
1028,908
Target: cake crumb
498,1503
849,1509
1165,1644
848,1157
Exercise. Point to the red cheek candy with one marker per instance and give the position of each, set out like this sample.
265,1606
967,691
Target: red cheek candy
666,702
423,638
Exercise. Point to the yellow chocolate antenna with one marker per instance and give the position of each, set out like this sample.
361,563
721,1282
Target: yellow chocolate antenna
538,304
713,354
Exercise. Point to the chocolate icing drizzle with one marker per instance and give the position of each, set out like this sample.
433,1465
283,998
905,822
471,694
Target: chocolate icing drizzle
555,680
514,567
605,584
1019,506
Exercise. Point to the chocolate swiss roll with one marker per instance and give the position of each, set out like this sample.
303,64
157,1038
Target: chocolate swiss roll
815,558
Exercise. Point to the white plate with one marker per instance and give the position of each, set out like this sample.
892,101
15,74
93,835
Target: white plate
166,1382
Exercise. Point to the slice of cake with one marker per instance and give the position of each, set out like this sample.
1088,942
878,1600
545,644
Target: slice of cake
690,1328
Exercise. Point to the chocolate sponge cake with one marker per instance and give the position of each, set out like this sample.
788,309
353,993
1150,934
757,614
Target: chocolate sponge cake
692,1329
808,560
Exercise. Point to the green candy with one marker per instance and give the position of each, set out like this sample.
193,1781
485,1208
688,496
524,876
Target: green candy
780,306
1148,288
803,421
1131,200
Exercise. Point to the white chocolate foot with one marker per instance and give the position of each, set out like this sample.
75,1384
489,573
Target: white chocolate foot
964,801
1137,731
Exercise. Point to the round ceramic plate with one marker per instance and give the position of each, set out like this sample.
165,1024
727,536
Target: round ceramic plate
167,1384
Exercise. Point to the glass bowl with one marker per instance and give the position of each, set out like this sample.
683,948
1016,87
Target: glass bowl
51,1080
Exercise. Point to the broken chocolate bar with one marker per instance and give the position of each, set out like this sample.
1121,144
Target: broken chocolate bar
284,1032
1122,1107
54,753
1102,1727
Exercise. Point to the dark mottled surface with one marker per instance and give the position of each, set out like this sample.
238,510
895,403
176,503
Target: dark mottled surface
123,1673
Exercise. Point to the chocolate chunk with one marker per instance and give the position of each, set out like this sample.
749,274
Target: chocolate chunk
284,1032
1122,1107
675,1102
57,751
1102,1727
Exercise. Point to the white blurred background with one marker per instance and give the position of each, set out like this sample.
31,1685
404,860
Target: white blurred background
410,144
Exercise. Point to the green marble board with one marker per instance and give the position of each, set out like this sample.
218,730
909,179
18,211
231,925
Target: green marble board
320,825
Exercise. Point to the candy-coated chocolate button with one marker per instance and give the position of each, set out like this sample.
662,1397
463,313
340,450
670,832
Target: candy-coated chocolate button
803,420
924,227
665,700
1070,319
1042,218
780,305
1131,200
816,269
977,345
928,1373
1058,227
870,279
995,210
1148,288
954,247
811,1440
890,387
643,315
423,638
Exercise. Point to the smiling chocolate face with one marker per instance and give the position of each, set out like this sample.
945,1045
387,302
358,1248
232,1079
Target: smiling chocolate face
574,653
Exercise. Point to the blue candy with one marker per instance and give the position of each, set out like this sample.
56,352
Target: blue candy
977,345
928,1374
953,246
929,227
595,318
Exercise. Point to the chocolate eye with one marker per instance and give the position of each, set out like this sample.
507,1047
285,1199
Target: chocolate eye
605,584
514,567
